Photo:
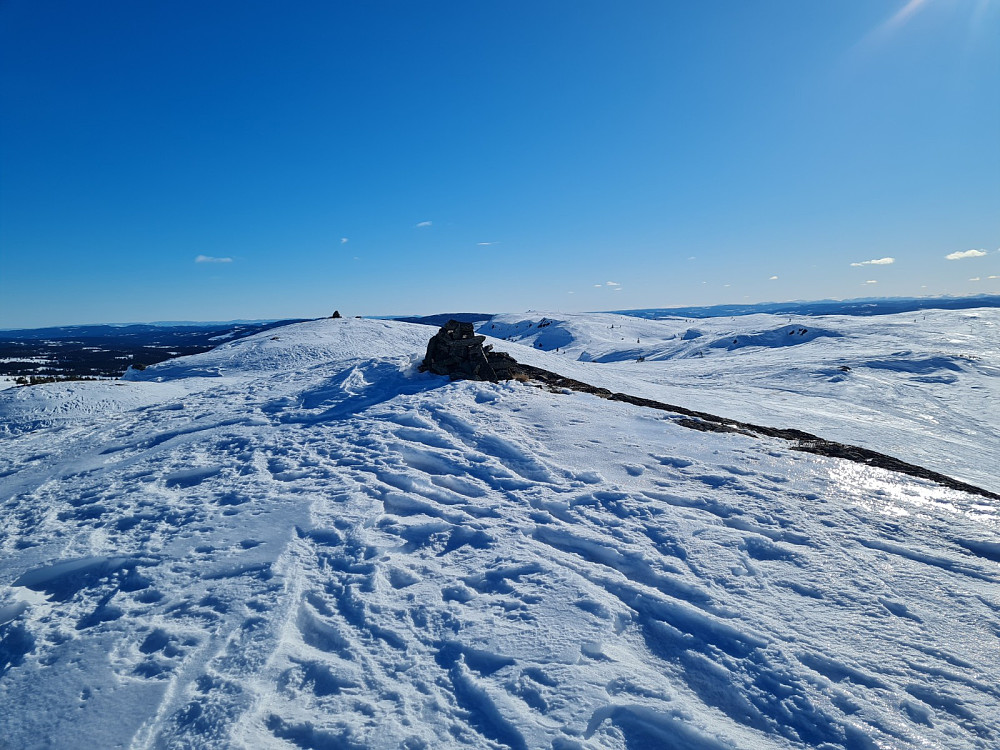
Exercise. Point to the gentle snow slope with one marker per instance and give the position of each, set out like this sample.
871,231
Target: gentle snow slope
923,387
299,541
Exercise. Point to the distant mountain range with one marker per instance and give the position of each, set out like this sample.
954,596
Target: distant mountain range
863,306
441,318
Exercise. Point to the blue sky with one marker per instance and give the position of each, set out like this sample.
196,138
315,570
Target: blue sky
216,160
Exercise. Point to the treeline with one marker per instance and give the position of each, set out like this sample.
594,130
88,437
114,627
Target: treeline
40,379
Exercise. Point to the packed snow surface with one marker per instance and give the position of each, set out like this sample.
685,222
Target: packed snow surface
297,540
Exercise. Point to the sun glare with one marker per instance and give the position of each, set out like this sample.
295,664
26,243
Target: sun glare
977,12
904,13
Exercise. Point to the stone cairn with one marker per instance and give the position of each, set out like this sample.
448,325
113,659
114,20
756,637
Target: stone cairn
456,351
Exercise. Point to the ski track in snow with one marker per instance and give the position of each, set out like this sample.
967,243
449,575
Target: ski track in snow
338,552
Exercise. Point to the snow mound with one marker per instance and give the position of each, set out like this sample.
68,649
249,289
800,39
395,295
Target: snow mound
778,337
326,342
592,337
916,364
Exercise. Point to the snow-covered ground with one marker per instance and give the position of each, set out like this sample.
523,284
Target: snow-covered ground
297,540
922,386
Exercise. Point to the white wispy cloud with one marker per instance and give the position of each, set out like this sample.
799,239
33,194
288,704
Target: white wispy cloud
993,277
871,281
963,254
487,244
598,286
343,240
210,259
611,283
424,223
773,278
876,262
975,278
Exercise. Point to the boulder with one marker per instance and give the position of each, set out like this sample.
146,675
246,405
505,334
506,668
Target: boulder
458,352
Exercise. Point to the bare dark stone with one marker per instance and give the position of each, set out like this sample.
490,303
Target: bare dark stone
336,314
458,352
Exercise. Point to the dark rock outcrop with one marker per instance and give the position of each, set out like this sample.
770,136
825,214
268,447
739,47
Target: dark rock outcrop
458,352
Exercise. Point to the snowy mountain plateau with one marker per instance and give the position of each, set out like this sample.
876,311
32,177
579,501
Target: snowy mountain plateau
298,540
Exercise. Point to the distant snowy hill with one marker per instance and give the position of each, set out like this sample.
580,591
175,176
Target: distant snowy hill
108,350
297,540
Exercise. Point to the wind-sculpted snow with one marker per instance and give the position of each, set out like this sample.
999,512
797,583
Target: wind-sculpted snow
609,338
26,409
922,387
322,548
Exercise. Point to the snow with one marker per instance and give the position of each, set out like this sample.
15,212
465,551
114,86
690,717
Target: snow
920,386
297,540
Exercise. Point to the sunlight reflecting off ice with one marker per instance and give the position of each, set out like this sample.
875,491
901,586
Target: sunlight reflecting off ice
893,494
